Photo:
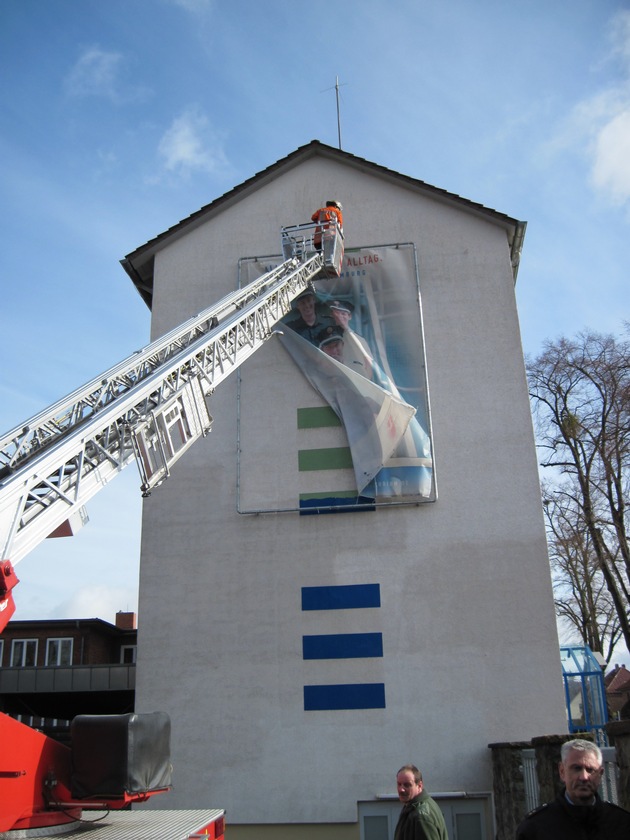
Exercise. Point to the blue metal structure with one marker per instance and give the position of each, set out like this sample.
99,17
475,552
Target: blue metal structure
585,692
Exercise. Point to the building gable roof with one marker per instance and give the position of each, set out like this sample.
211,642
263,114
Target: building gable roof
139,263
618,680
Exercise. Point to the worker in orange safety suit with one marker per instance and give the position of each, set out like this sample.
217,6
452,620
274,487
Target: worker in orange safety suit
333,211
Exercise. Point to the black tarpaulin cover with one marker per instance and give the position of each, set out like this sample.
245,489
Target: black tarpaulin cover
117,754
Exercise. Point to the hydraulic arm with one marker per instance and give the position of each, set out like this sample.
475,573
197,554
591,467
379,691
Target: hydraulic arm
150,407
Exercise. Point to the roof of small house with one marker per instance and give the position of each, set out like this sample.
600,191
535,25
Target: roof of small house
618,680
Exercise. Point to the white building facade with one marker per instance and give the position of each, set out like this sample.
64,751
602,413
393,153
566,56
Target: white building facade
304,658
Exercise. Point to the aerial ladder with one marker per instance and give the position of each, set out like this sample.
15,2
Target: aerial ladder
149,408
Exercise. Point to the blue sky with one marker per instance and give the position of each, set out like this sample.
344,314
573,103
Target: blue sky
122,117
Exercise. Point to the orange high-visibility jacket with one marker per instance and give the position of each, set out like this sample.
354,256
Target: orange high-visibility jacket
324,216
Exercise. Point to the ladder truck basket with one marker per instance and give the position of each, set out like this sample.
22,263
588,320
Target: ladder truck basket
299,241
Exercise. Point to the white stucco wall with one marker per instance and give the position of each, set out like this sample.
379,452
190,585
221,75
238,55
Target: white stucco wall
470,647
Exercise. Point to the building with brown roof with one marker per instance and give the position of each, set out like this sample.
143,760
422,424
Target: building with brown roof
53,670
618,693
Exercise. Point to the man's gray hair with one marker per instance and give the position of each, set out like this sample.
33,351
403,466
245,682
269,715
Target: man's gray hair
580,745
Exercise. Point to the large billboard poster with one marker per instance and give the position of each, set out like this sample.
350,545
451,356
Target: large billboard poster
358,340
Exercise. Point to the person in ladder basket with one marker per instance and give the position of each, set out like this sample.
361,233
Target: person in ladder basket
333,211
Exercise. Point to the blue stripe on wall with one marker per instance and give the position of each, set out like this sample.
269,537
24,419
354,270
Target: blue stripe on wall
342,646
357,596
335,504
352,696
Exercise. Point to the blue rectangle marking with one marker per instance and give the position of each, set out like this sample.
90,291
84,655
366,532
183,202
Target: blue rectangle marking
353,597
342,646
324,505
337,697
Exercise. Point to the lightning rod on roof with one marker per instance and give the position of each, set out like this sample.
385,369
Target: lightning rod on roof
338,113
338,116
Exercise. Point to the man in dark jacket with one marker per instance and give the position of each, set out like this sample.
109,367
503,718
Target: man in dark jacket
578,813
420,818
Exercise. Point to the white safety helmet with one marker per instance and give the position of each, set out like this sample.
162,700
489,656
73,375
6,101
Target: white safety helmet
336,204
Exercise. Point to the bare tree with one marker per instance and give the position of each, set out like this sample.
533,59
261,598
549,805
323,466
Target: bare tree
583,603
581,397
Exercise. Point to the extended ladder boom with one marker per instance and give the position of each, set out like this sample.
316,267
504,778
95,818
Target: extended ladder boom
150,407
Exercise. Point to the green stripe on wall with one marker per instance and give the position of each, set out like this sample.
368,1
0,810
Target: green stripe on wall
316,418
335,458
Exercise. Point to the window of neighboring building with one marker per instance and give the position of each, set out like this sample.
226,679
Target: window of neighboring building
59,651
23,653
128,654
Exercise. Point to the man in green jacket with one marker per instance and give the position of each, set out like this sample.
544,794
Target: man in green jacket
420,818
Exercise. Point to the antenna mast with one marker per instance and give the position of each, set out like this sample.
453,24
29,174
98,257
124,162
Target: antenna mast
338,117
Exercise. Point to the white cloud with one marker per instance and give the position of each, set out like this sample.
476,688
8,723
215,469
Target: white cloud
600,125
611,164
610,127
95,74
191,145
98,72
